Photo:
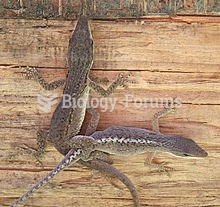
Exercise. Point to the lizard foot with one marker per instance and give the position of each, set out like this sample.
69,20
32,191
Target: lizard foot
170,107
30,151
161,167
99,80
29,72
123,79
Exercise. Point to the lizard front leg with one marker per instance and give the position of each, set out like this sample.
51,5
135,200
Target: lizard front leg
158,115
94,121
33,73
161,167
120,81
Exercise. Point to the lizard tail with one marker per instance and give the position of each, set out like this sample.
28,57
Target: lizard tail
71,157
109,169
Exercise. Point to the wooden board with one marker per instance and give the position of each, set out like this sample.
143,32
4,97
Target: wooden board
177,57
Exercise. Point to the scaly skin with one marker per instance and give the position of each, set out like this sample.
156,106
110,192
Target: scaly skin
68,121
121,140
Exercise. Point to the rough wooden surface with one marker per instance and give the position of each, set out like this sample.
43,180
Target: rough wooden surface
177,57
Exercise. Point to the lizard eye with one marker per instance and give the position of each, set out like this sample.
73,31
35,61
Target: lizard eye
186,155
88,42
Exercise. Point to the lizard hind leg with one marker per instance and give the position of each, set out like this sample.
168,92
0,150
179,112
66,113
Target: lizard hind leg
97,155
114,173
42,138
112,180
103,157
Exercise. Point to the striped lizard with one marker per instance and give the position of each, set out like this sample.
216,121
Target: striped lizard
122,140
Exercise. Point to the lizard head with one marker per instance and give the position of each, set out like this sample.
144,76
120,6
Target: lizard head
184,147
80,51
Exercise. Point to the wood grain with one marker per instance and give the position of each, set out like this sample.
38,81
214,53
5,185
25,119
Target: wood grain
177,57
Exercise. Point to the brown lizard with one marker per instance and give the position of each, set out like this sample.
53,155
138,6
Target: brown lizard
67,122
121,140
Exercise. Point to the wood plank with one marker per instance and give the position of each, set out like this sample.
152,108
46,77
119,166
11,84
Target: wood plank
157,45
166,59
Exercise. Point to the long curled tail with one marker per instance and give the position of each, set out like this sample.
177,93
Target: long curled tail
71,157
